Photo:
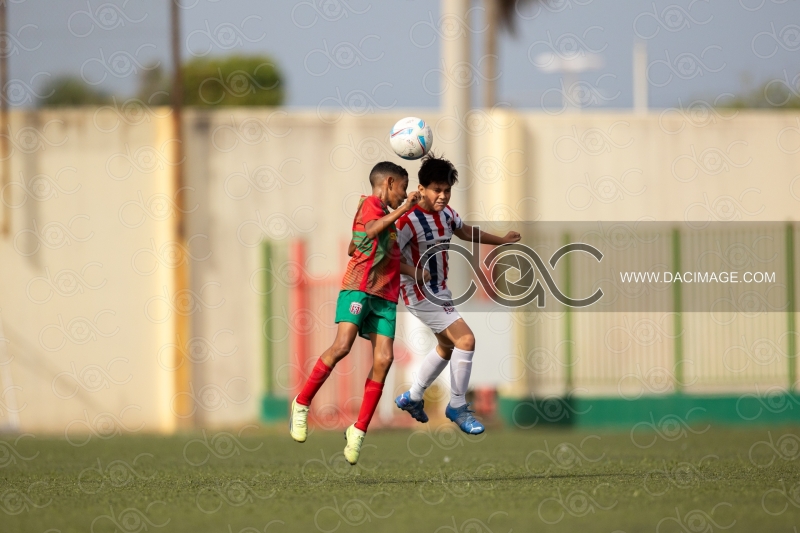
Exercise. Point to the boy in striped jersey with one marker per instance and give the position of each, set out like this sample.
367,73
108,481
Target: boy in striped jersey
433,222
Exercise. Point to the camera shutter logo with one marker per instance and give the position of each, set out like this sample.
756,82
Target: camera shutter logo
513,275
518,275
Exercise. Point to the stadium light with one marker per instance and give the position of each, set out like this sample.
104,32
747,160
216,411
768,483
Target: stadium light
571,66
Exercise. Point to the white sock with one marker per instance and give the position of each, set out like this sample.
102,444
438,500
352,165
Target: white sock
460,370
431,367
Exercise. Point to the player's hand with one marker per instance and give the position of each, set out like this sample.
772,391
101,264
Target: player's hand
423,276
512,236
411,201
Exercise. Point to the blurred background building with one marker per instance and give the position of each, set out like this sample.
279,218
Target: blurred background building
172,246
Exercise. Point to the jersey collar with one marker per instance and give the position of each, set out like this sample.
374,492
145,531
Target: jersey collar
425,210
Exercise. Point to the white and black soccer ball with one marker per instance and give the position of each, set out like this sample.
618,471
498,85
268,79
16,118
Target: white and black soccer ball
411,138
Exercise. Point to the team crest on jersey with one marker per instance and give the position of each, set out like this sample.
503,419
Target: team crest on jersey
355,308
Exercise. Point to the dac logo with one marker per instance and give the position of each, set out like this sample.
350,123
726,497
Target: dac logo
513,270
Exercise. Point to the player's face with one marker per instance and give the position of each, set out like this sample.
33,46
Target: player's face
397,191
436,196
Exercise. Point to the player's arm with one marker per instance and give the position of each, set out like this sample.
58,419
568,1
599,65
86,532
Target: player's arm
374,227
419,274
351,249
470,234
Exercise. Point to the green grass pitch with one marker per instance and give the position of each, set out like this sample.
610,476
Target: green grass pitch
697,480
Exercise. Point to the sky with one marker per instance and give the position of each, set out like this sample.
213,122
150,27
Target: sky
386,54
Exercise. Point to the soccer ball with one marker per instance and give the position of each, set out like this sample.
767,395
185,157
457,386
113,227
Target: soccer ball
411,138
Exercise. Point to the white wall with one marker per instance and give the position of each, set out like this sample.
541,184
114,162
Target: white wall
83,330
301,173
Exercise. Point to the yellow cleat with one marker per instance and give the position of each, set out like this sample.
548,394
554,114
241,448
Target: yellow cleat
298,421
354,438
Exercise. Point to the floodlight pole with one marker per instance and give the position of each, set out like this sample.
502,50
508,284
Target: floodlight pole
456,105
456,99
640,77
183,371
177,111
4,123
492,11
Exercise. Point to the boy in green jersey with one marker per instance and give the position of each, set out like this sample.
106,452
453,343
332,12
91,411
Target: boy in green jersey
367,304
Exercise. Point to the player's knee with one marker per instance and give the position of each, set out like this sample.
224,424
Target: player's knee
466,342
384,359
340,349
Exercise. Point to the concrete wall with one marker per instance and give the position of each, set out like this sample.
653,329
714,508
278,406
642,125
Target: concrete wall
258,174
81,291
669,166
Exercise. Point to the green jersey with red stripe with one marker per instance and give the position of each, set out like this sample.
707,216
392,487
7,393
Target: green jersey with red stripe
375,265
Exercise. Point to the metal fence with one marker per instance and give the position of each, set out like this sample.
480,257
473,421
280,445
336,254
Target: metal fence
630,354
676,348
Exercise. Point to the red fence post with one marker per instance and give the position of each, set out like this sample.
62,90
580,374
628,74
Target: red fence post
298,303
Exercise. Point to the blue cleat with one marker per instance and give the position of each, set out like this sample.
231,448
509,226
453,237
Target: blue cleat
463,417
415,409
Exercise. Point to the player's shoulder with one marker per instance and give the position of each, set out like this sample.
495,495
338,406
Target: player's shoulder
371,206
371,200
405,218
363,201
450,213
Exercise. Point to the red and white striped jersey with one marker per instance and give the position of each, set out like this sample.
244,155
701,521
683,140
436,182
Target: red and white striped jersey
417,231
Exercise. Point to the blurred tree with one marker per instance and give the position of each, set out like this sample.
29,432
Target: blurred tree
226,81
775,94
233,80
70,91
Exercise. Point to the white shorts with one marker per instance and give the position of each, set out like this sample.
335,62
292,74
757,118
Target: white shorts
433,316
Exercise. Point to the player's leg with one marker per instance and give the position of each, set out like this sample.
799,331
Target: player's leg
345,336
438,319
382,358
460,335
432,366
380,325
298,418
348,316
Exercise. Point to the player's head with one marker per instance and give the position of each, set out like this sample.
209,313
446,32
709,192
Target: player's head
437,176
389,181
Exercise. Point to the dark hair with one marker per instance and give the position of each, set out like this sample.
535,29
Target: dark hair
435,169
383,169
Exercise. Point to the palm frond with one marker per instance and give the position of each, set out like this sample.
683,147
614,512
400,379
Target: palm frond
507,12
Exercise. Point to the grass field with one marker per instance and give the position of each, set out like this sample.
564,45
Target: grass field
694,480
